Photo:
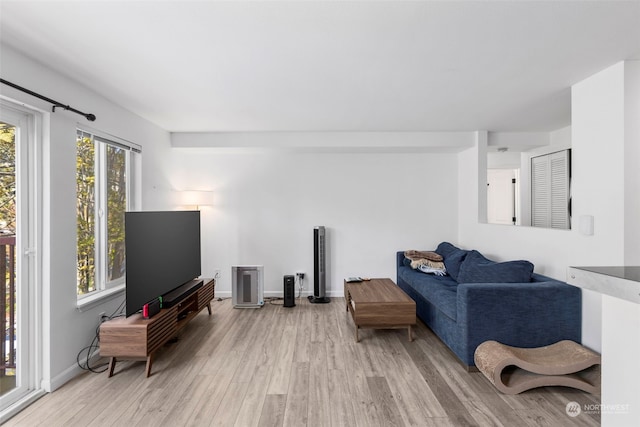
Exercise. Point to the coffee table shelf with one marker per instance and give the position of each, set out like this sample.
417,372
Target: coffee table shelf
379,304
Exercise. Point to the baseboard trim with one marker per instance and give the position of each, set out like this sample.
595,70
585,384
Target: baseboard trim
280,294
68,374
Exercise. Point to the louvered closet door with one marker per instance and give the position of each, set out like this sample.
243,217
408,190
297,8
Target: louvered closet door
550,192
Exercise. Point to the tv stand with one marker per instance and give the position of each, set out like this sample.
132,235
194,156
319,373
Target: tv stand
178,294
137,338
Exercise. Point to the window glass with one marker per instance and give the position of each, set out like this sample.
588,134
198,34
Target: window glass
86,214
116,207
103,196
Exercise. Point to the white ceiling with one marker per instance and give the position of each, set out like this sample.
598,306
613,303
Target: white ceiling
333,65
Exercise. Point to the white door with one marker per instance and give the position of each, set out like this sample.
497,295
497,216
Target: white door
501,196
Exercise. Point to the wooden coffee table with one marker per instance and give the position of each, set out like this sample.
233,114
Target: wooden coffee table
379,304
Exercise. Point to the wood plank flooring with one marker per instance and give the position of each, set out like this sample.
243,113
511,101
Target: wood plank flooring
300,366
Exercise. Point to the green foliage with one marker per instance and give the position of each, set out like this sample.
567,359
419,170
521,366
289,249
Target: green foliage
114,182
7,215
86,204
7,179
116,207
85,193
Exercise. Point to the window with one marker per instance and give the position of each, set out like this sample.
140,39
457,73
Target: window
550,191
104,188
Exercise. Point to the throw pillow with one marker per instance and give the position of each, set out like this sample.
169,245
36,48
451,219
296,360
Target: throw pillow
445,249
453,261
478,269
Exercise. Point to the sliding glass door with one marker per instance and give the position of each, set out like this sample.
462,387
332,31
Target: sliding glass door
18,254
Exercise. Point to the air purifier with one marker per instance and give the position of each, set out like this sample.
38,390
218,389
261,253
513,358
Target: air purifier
247,286
289,291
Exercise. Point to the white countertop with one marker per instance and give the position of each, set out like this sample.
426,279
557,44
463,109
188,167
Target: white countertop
616,281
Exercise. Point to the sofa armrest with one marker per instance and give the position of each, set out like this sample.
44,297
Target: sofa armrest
519,314
399,259
399,263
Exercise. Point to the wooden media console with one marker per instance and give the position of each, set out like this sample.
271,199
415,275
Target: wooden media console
137,338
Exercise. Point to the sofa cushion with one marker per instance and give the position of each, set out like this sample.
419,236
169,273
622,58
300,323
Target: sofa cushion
477,269
441,291
453,258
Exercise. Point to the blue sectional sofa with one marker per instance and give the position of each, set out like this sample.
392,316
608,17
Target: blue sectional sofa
479,300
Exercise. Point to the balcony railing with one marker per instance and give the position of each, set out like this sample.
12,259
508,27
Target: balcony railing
8,304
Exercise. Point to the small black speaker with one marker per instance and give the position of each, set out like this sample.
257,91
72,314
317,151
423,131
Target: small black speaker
289,291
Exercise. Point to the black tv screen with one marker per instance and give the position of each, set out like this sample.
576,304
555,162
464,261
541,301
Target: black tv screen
162,253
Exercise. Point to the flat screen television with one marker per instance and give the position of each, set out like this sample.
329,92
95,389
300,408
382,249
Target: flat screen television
162,254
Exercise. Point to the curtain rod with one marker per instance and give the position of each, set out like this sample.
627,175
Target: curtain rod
88,116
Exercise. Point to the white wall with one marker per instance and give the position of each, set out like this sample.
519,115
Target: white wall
606,112
632,160
268,201
66,329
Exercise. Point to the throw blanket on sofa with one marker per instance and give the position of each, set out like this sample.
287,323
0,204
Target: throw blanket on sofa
426,261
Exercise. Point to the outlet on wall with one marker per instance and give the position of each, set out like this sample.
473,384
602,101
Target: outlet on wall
216,273
102,317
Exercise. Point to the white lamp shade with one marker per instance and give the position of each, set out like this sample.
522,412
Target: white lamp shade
197,198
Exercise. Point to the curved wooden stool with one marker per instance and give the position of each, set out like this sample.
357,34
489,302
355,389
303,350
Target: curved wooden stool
513,370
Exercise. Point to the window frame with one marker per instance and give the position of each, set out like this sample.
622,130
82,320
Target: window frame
133,153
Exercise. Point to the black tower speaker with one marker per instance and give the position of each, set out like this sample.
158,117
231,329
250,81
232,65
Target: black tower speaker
289,291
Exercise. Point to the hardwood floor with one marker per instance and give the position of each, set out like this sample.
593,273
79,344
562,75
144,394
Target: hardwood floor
300,366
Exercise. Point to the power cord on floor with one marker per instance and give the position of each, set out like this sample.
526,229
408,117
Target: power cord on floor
272,299
299,279
95,345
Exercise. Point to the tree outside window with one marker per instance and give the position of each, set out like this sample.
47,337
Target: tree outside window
7,179
116,207
85,191
102,187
